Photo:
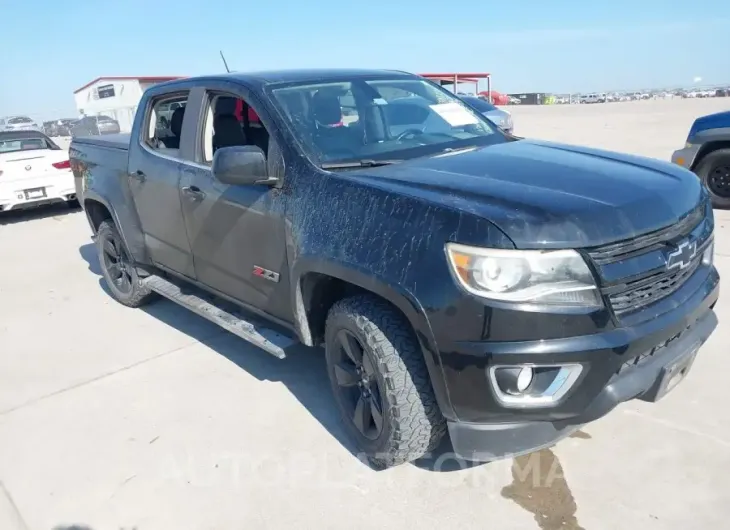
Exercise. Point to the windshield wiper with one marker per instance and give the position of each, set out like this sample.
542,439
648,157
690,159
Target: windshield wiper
457,149
359,163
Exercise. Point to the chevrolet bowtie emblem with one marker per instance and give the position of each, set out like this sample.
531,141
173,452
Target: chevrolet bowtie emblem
682,257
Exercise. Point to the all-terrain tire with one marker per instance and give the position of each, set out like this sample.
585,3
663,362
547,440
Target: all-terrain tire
139,294
412,421
705,168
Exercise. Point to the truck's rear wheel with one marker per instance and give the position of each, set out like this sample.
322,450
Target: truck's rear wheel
714,170
116,267
380,382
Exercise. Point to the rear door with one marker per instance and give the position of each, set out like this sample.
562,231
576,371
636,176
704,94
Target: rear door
154,176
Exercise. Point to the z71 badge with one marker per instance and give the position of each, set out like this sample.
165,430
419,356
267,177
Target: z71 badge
265,273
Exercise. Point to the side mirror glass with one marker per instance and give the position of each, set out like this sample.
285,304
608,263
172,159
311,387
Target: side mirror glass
241,165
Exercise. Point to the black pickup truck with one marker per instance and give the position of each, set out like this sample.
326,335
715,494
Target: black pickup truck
459,278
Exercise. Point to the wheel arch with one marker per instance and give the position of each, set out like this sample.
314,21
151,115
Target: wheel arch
318,284
97,211
707,148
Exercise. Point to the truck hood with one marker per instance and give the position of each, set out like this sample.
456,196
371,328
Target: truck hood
549,195
719,120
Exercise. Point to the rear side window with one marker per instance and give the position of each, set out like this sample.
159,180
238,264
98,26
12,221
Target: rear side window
20,119
163,129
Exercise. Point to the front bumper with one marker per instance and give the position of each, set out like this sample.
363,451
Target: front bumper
686,156
622,364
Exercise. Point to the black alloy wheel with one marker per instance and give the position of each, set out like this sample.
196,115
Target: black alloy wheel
116,262
714,170
118,268
718,180
358,385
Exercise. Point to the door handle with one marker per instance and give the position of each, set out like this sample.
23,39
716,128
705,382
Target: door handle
194,193
139,176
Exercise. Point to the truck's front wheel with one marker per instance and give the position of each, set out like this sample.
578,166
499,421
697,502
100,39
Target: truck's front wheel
380,382
116,267
714,170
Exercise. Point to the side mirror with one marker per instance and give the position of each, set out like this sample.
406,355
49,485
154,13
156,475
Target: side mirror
241,165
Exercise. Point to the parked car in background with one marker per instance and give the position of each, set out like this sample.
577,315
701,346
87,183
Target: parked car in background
95,125
60,127
33,171
707,153
496,98
500,117
18,123
593,98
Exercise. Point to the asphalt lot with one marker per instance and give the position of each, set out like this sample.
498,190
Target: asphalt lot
116,418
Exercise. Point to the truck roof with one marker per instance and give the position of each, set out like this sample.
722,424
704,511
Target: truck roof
296,75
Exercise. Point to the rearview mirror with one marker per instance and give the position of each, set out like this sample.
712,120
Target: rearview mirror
241,165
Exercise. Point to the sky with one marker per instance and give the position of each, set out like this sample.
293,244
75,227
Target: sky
535,46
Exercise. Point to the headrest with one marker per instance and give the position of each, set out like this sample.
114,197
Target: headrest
176,120
326,108
225,105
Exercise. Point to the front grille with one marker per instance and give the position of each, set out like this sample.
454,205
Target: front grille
648,242
652,289
641,289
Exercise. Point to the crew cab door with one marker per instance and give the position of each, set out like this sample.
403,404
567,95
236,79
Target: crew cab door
237,233
156,158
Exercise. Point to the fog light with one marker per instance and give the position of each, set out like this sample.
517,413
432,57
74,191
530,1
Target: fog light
533,385
513,380
524,379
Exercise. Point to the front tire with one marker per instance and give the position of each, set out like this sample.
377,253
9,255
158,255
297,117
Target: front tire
380,382
714,170
117,268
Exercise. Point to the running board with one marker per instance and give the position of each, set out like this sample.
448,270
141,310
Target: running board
250,330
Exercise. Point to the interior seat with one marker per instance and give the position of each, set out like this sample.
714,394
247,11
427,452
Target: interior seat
227,131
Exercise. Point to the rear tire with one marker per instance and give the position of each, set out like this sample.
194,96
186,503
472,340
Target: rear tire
403,419
714,171
120,275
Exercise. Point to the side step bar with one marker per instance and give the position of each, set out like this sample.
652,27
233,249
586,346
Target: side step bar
250,330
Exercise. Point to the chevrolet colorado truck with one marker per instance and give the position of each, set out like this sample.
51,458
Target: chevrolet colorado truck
504,290
707,153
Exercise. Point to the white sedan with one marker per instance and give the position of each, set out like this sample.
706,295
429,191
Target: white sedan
33,171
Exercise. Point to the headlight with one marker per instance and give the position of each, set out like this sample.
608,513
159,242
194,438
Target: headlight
556,278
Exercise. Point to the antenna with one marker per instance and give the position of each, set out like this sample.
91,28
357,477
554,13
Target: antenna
224,62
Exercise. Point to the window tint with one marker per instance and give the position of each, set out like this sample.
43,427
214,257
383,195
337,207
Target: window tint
231,121
164,123
20,119
481,105
423,119
405,114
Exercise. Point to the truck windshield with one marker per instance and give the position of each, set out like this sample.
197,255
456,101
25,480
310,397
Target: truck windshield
380,119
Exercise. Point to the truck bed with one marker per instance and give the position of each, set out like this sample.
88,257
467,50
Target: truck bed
113,141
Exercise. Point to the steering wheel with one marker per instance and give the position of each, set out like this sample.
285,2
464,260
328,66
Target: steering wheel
408,132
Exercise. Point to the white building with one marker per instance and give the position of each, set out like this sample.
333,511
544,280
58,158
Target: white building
116,97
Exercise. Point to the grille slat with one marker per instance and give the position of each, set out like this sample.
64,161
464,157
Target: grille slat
648,242
629,295
663,285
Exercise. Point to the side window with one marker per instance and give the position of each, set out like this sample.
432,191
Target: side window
164,123
230,122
